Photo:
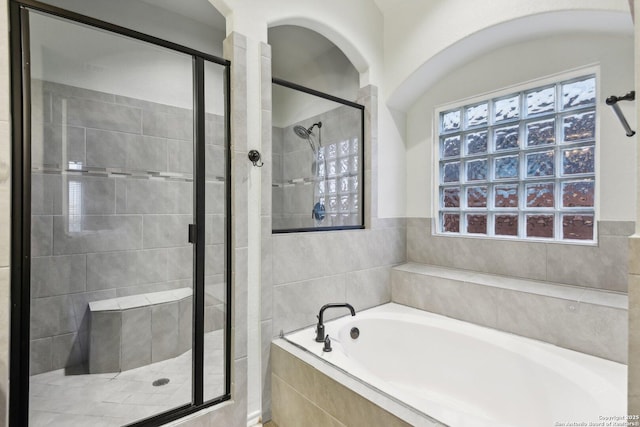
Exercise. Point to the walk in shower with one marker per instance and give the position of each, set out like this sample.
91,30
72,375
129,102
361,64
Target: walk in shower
317,160
121,298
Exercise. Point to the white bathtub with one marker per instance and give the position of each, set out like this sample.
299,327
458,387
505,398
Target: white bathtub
465,375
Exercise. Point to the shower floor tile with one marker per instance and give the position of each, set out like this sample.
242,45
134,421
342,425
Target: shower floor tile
58,398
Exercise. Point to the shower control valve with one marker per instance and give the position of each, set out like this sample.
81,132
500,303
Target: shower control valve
254,157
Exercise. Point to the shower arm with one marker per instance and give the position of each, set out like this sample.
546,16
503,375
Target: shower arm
613,102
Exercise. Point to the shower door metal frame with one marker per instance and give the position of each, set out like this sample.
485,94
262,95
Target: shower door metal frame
21,210
300,88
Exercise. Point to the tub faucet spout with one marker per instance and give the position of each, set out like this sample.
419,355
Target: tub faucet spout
320,326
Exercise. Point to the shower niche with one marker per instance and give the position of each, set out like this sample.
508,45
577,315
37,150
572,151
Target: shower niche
318,169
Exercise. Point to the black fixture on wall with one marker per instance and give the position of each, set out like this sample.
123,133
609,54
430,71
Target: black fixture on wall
255,157
613,102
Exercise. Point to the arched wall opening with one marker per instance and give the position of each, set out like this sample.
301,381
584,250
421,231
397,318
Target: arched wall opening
473,46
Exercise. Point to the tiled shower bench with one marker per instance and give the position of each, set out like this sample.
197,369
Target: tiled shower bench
133,331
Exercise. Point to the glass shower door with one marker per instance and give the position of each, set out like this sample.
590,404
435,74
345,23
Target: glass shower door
112,188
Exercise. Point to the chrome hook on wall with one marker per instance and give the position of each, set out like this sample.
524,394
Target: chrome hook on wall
254,157
613,101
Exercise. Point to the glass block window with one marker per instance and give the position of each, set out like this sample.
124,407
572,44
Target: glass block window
521,166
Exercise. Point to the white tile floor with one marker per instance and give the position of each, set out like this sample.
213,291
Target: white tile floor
116,399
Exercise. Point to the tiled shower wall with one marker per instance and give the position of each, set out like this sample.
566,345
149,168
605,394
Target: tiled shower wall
293,171
115,223
603,266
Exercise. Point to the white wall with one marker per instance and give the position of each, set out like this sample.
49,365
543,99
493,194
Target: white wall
516,64
418,32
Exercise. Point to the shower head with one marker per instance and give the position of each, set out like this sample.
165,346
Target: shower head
301,131
304,132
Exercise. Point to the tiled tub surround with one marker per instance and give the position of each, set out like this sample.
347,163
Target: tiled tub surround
421,368
112,195
306,388
603,266
129,332
294,176
588,320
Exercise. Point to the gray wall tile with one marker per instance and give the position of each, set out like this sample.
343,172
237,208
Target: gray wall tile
58,275
98,115
215,229
147,154
180,156
40,103
51,316
215,161
107,149
168,125
368,288
304,256
45,194
597,330
602,266
214,318
185,324
164,331
104,347
66,351
533,316
179,263
616,228
136,338
215,197
100,234
161,231
40,356
41,235
214,130
214,259
297,304
46,145
97,195
152,266
452,298
180,197
145,196
111,270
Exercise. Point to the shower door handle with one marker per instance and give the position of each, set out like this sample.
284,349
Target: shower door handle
193,233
